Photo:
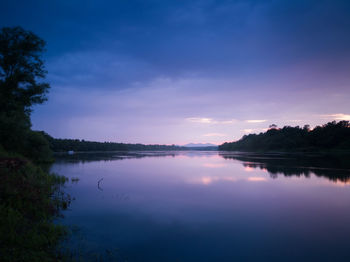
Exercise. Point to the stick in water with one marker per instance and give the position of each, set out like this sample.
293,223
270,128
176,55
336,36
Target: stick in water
98,184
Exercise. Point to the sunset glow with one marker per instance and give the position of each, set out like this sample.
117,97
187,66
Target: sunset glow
227,69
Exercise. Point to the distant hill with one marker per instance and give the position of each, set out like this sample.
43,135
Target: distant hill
332,136
200,145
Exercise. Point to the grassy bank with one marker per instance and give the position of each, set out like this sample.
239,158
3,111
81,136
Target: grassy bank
30,199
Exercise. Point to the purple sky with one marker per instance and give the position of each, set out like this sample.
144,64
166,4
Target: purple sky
174,72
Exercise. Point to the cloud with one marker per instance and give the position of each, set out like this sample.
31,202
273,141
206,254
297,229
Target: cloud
205,120
254,130
295,120
202,120
215,134
338,116
98,69
255,121
232,121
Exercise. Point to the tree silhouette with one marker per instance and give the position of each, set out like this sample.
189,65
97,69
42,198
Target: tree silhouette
21,84
331,136
21,69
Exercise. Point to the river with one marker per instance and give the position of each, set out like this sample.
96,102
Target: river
207,206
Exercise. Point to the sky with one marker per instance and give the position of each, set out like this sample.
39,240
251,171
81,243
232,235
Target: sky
175,72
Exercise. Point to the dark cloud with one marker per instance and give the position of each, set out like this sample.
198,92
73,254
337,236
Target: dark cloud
131,65
175,38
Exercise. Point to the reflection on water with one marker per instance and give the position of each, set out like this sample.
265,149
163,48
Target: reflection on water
335,168
209,206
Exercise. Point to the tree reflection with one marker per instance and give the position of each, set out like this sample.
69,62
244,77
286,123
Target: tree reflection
83,157
335,168
332,167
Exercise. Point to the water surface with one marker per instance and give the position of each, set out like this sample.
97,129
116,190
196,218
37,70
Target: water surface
208,206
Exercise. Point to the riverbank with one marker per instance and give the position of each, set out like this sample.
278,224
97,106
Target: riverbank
30,199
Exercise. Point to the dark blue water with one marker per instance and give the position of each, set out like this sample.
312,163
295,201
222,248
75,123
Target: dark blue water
206,206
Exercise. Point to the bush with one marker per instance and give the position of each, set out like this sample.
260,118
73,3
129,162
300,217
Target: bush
29,201
37,147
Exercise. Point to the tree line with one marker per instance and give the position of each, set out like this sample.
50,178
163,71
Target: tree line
64,145
30,196
333,136
22,85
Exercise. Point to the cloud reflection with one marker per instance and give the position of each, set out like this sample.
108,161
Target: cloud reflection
257,179
208,180
214,165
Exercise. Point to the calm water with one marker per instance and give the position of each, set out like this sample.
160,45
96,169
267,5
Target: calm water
208,206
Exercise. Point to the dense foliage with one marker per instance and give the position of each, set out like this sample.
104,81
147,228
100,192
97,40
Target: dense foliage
21,86
331,136
30,198
64,145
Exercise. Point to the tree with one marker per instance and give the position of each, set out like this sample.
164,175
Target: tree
22,73
21,69
331,136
